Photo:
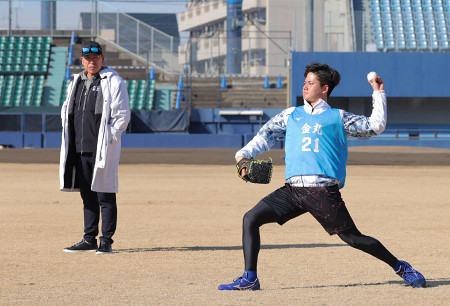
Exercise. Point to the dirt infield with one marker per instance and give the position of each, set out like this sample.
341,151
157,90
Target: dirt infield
357,156
179,236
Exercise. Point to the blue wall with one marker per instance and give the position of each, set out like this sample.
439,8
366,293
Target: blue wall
212,130
404,74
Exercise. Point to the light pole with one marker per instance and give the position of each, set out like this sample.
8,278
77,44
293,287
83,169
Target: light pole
10,19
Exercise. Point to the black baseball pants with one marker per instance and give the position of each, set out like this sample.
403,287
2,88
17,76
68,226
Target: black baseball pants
277,208
95,203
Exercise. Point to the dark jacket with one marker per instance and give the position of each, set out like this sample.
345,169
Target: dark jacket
86,113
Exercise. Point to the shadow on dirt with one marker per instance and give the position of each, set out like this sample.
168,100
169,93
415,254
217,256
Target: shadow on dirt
225,248
431,283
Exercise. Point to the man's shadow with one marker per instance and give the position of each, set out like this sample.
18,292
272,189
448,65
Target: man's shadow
225,248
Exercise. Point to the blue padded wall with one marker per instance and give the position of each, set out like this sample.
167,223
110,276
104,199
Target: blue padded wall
404,74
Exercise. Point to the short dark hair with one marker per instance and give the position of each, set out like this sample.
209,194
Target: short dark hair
325,74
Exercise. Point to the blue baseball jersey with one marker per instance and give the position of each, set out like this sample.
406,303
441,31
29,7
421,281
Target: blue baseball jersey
316,145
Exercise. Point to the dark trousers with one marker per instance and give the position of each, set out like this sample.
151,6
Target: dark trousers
95,202
264,213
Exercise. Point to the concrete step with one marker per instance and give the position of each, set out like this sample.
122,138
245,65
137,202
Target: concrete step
56,73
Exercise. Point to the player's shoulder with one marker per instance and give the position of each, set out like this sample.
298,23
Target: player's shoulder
290,110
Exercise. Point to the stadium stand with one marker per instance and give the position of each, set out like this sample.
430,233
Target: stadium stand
141,96
411,25
24,65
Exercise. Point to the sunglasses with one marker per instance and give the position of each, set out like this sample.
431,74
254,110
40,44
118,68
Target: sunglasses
91,50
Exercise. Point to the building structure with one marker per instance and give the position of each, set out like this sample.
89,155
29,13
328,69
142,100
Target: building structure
270,31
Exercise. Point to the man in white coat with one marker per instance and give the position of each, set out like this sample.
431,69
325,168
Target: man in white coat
94,116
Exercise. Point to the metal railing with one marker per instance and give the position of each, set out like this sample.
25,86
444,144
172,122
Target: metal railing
138,38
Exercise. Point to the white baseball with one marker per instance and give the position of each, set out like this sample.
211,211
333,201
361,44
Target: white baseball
371,75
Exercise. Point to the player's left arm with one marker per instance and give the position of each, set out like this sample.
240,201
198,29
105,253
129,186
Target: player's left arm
362,126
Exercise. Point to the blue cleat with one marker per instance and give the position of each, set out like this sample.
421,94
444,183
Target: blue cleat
241,283
411,276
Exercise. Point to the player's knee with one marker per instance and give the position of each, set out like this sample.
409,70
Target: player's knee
351,241
249,219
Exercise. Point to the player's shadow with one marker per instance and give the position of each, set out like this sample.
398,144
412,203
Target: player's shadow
225,248
436,282
431,283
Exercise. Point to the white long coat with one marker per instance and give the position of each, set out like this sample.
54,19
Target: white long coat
114,121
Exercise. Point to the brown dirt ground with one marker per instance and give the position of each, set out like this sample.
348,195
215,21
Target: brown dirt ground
179,234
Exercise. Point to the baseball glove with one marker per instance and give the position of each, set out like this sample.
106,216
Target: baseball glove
256,171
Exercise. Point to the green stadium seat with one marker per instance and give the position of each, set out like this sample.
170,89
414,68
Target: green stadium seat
34,68
35,60
10,46
20,40
43,68
2,39
11,40
9,84
19,80
29,82
17,60
132,94
8,60
10,53
151,95
139,104
6,100
17,100
65,84
6,68
16,68
2,46
27,100
37,101
132,84
2,82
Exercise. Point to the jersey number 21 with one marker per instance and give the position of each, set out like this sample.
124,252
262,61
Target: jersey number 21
308,144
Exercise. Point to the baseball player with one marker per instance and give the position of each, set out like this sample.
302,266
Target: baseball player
316,158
